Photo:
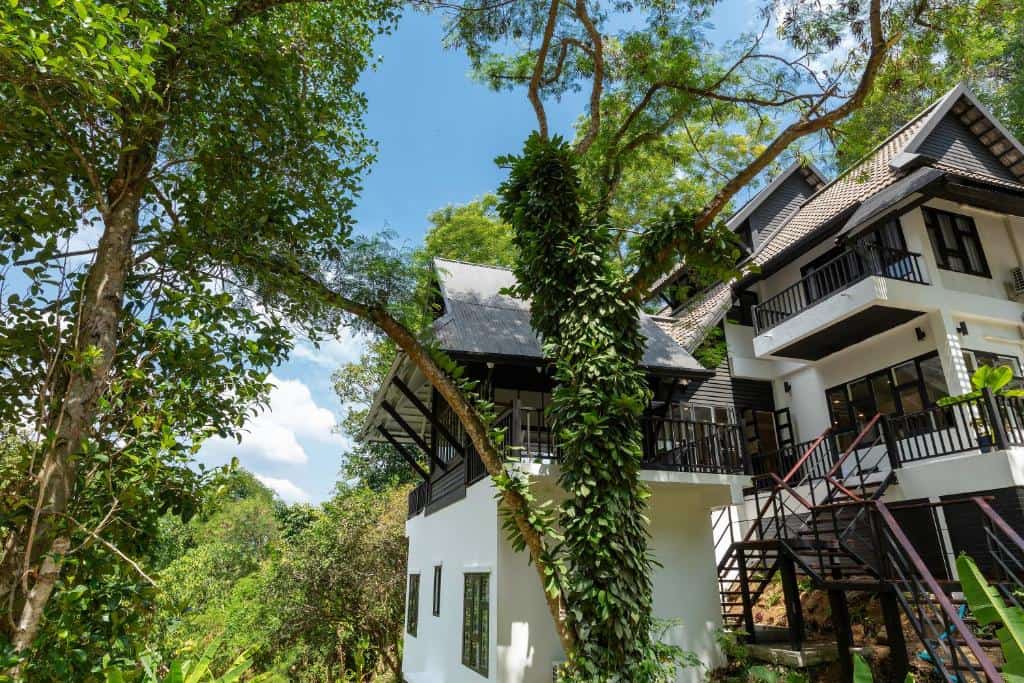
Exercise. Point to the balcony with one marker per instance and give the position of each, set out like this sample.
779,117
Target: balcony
864,282
669,443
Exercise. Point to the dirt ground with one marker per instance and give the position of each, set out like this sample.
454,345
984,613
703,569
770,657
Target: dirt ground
869,630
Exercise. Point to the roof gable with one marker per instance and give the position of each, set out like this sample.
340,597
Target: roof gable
962,106
775,201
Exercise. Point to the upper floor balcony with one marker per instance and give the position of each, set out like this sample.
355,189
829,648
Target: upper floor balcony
862,291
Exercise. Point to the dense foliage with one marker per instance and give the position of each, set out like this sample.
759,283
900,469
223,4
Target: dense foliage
311,594
980,42
152,156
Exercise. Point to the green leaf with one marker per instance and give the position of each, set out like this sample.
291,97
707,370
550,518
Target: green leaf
988,607
861,670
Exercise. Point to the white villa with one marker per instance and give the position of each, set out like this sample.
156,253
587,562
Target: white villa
816,450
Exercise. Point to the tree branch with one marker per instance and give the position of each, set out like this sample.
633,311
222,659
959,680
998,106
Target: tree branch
656,263
597,85
476,429
538,70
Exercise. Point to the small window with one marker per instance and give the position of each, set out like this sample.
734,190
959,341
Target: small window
412,604
476,623
955,242
436,611
974,359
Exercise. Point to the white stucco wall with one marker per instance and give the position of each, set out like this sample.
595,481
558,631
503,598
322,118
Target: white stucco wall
466,536
461,538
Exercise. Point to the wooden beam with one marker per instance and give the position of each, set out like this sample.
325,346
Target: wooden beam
390,410
415,400
404,453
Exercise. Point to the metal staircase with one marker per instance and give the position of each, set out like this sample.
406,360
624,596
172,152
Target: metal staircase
827,523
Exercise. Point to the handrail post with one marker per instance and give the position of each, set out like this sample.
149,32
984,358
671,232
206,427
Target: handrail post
516,437
891,445
999,438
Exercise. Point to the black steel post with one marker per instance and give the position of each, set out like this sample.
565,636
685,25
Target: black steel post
791,596
844,632
899,664
748,604
999,439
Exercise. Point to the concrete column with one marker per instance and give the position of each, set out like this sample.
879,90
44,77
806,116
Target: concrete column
948,343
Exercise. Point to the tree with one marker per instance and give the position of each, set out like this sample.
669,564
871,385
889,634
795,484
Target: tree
192,139
322,601
469,232
980,42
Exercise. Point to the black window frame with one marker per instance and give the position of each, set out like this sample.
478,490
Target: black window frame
994,359
476,615
944,251
742,311
412,605
436,606
895,388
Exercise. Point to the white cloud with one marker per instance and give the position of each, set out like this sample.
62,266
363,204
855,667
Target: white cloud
346,347
289,492
276,434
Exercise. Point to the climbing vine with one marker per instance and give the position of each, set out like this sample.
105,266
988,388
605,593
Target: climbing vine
591,335
589,322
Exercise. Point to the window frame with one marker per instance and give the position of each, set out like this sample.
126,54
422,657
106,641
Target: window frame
476,615
412,605
895,387
943,251
436,606
972,364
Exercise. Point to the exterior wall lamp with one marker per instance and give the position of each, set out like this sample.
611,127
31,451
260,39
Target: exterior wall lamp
962,328
920,334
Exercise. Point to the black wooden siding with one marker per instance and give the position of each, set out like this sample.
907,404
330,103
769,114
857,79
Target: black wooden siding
447,487
966,523
788,196
723,389
953,143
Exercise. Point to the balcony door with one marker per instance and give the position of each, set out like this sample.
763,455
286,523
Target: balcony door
766,431
881,249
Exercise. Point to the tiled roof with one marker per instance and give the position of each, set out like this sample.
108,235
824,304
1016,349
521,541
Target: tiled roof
863,180
480,320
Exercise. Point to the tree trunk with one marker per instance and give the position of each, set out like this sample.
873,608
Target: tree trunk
517,506
73,412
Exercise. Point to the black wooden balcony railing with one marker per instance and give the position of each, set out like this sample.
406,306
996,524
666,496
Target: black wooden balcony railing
669,443
835,275
988,422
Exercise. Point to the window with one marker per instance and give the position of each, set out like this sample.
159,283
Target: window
955,242
412,604
436,611
974,359
475,623
902,389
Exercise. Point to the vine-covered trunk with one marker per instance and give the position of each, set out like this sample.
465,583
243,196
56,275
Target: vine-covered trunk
591,332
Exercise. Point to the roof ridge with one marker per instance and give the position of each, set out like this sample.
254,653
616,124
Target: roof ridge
471,263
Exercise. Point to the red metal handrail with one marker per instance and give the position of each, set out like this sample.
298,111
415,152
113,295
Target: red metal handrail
853,445
941,598
807,454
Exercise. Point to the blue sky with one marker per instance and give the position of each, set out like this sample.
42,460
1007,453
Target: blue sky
438,133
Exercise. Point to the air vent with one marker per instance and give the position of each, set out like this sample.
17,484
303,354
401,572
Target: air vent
1016,283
